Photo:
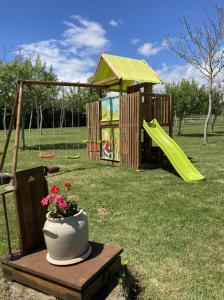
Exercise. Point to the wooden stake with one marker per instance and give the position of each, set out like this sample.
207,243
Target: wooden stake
9,130
120,87
171,116
18,125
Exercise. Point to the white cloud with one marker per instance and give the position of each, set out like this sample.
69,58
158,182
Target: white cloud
115,23
72,56
135,41
176,73
88,37
149,49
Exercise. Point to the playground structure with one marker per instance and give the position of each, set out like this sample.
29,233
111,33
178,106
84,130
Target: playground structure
117,126
122,116
132,145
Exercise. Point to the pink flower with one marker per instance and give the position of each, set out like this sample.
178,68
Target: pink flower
45,201
58,199
68,186
55,189
63,205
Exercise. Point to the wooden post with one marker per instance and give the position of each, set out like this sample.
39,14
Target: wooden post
147,146
171,117
120,88
9,130
120,137
18,125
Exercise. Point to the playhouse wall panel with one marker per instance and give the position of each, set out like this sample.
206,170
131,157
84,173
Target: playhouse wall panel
130,130
92,120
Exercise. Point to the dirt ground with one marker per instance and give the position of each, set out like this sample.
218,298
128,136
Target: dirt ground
15,291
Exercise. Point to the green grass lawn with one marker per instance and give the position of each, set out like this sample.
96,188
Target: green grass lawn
172,232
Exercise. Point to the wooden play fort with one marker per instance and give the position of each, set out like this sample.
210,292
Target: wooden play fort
115,124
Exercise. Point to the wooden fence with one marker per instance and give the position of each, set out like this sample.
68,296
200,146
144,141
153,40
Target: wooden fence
161,108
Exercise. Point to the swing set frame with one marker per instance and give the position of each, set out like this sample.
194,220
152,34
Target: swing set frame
17,111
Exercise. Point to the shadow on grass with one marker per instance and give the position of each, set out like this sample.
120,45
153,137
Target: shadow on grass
129,286
55,146
167,166
130,283
201,135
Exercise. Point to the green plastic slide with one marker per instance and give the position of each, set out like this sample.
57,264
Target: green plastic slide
174,153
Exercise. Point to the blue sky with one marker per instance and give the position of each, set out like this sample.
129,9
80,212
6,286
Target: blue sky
71,35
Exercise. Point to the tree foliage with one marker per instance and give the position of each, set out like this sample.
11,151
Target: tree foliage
188,98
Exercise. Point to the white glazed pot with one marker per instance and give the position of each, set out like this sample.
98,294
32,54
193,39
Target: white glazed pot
67,239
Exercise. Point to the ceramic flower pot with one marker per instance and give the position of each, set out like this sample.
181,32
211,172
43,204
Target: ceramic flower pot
67,239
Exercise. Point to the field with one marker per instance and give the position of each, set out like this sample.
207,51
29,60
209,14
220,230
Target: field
172,232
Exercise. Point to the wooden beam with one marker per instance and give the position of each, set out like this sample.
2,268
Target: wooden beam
147,145
110,85
171,116
120,87
136,87
107,80
9,130
18,125
63,83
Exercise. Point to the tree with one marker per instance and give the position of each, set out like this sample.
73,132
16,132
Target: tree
202,47
218,105
44,96
187,98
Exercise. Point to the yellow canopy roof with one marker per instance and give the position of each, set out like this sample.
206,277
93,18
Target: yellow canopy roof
112,68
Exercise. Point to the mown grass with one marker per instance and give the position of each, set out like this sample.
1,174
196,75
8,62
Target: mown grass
172,232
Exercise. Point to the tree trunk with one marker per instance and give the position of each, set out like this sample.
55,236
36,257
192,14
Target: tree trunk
31,119
41,120
62,115
38,118
72,111
213,122
210,86
4,119
23,132
180,123
175,117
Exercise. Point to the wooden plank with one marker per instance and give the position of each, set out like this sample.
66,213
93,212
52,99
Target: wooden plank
107,80
136,87
10,129
93,110
147,145
120,127
170,116
18,124
139,126
30,188
58,290
40,284
80,281
65,83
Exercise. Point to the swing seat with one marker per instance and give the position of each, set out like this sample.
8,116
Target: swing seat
72,156
48,155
